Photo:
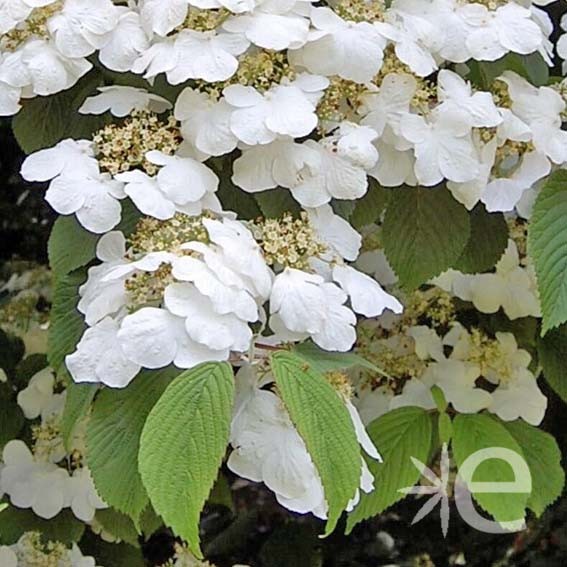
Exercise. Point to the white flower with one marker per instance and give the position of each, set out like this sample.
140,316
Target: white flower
99,357
210,56
493,33
272,26
181,185
82,26
457,379
77,185
40,69
416,39
121,101
278,164
84,500
304,304
541,108
512,287
205,122
505,193
41,486
100,297
519,397
202,323
267,448
366,295
154,338
66,157
340,171
285,109
443,146
38,394
456,94
389,103
335,232
125,43
163,16
354,51
9,98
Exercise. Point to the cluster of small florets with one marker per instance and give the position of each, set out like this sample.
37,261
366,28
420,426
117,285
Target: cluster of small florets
33,552
341,383
288,241
34,26
489,354
341,101
153,235
361,10
47,440
259,69
123,147
204,20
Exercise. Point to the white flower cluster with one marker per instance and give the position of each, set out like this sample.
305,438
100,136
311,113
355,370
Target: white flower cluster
47,478
428,347
30,550
44,45
266,73
192,289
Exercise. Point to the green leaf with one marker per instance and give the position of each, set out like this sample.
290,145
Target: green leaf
118,524
399,435
64,527
45,121
323,422
70,246
77,404
425,231
183,444
67,324
532,67
547,245
487,242
552,351
343,208
232,197
368,209
323,361
445,426
113,440
544,460
473,433
275,202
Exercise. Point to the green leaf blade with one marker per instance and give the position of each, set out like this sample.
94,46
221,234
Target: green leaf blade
475,432
424,233
487,242
328,432
547,245
544,460
113,440
399,434
183,443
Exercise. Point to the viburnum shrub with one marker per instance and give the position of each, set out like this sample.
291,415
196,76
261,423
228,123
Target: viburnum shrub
310,240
